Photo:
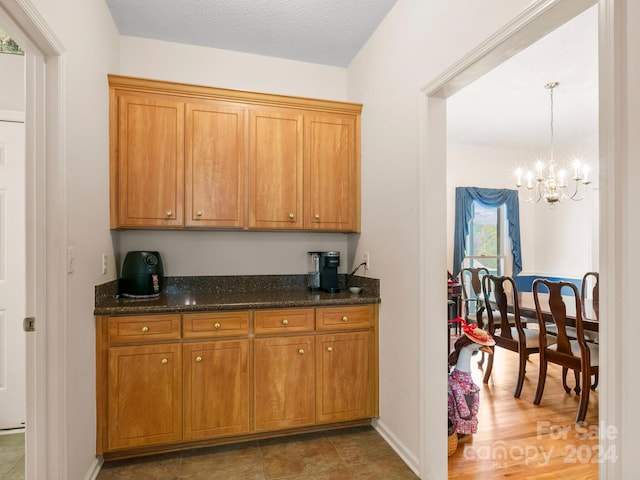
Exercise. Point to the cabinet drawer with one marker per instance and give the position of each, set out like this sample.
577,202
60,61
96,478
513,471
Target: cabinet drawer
343,317
216,324
283,321
144,328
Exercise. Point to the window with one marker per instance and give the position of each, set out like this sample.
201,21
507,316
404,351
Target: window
488,238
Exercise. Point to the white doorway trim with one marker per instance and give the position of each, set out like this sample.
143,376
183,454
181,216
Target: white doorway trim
46,239
539,19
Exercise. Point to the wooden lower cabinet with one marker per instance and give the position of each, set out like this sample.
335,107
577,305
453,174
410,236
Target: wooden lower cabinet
284,386
144,395
343,382
174,381
216,388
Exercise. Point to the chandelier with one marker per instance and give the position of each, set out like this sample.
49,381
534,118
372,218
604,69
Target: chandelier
547,181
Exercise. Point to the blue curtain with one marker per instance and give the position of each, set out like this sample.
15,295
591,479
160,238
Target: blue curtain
491,197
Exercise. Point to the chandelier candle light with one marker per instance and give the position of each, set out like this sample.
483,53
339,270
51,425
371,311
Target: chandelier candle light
553,187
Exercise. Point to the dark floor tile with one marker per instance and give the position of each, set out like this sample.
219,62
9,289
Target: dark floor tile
306,455
389,469
229,462
360,445
156,467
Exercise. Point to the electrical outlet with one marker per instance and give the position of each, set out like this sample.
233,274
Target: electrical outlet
367,260
104,263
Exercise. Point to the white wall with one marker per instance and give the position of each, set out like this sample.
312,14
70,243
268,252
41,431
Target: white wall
12,91
417,41
228,252
90,40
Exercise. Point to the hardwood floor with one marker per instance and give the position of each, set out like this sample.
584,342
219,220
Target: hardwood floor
517,439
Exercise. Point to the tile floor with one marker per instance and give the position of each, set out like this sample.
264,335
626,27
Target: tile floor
12,456
355,453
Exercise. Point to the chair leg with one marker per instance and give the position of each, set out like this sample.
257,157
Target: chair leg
487,373
564,380
542,376
584,397
521,371
481,361
595,381
576,375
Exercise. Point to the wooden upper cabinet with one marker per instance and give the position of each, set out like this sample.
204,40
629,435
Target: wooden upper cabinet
150,161
275,169
190,156
214,165
332,186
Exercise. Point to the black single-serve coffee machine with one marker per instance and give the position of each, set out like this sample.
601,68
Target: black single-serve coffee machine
329,263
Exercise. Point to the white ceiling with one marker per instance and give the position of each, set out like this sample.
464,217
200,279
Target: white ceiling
508,106
329,32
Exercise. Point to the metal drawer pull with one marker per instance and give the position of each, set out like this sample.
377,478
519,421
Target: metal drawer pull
198,358
345,318
285,322
164,361
169,213
216,325
145,329
199,213
291,216
317,216
301,351
329,349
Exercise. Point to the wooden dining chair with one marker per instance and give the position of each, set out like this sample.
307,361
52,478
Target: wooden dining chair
472,298
507,328
570,353
590,291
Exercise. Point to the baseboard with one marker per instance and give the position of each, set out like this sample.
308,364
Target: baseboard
94,470
402,451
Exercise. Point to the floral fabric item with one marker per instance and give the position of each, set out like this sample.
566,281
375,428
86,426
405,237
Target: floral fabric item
464,401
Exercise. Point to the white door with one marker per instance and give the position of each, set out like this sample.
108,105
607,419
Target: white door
12,275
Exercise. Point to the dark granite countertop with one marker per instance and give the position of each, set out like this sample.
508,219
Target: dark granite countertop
201,294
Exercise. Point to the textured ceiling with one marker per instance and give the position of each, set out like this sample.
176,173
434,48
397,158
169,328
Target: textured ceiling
328,32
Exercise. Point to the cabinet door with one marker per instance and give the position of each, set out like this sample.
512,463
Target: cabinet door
150,162
145,395
343,383
215,165
275,169
331,187
284,382
216,388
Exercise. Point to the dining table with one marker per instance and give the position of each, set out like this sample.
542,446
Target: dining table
527,306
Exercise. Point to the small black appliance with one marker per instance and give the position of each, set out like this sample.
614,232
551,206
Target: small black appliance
329,263
142,275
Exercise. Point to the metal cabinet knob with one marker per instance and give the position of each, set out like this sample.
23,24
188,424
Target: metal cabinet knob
292,216
317,216
199,213
198,359
301,351
169,213
216,325
164,361
329,349
345,319
145,329
285,322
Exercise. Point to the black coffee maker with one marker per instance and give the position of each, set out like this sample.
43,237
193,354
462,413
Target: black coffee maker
329,263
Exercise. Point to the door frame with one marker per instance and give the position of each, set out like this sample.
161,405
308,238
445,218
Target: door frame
532,24
46,224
